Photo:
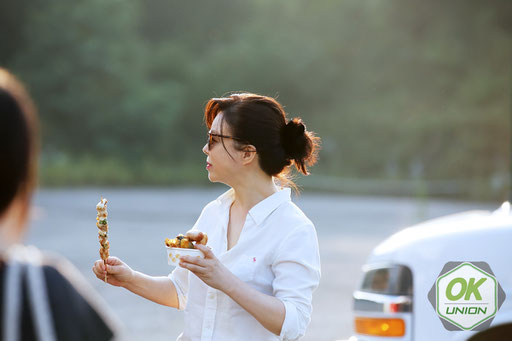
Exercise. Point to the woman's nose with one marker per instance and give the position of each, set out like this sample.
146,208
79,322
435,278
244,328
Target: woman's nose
205,149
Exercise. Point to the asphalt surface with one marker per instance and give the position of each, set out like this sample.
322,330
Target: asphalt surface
348,227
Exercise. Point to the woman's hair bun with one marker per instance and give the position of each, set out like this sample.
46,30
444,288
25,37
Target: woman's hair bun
294,139
261,121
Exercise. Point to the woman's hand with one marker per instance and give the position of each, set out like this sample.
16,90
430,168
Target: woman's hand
209,269
268,310
197,236
119,273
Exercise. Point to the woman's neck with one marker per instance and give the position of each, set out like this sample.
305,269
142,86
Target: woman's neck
12,224
250,193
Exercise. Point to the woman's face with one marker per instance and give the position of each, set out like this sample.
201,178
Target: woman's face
220,166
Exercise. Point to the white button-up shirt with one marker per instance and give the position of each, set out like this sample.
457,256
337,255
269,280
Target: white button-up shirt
277,254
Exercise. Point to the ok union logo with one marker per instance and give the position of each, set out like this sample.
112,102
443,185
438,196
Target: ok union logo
466,296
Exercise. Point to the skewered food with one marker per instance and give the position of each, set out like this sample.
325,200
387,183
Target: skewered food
102,224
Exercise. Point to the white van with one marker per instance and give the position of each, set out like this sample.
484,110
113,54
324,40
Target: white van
396,298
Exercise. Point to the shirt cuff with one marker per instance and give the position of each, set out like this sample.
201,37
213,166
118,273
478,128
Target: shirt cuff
182,298
290,329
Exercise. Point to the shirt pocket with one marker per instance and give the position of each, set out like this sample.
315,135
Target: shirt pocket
244,268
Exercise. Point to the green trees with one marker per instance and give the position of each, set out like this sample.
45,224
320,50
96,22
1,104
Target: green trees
396,89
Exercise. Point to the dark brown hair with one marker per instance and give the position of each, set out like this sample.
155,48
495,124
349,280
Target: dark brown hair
18,145
261,121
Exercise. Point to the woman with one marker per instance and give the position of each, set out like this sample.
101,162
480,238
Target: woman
262,264
42,297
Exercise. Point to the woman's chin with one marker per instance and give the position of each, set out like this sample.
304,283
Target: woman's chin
211,178
214,179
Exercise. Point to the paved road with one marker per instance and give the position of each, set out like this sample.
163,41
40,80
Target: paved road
140,219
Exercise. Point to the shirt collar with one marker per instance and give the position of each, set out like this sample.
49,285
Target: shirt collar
261,210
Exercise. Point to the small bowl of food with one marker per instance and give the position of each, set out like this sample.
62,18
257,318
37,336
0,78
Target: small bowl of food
174,254
184,246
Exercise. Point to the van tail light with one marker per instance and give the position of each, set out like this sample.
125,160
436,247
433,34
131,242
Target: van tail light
394,307
380,326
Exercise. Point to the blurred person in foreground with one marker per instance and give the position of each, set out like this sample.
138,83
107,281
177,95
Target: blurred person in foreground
262,261
43,296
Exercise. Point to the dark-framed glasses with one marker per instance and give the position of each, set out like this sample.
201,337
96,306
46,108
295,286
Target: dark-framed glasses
211,142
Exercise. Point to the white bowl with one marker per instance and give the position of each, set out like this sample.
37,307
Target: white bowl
174,254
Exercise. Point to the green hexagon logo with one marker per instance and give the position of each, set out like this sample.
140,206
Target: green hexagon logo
466,296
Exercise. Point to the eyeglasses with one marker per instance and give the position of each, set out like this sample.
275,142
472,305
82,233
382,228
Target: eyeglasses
211,142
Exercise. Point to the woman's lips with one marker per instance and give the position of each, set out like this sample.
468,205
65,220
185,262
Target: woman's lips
208,165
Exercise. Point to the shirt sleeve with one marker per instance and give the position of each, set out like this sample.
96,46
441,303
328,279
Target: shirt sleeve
179,276
297,274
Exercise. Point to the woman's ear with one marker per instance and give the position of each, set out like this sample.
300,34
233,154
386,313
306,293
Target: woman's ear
248,154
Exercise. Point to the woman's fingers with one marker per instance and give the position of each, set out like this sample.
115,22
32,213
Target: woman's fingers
98,272
205,250
112,266
114,270
192,267
110,261
99,266
113,261
195,236
194,260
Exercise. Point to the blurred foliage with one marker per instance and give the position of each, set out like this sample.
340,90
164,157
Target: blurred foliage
399,89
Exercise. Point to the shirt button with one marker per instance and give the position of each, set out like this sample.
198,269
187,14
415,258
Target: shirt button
211,295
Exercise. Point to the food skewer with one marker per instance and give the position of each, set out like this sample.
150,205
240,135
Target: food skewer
102,224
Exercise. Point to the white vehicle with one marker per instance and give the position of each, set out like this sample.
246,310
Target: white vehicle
392,301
